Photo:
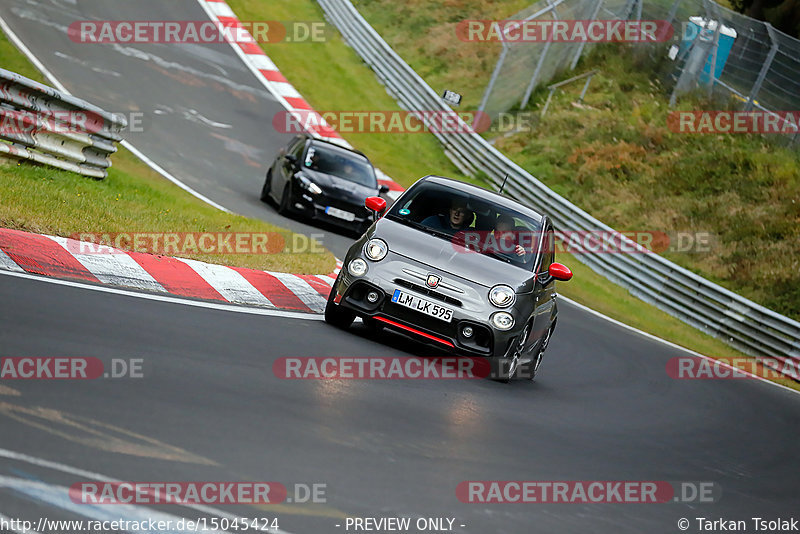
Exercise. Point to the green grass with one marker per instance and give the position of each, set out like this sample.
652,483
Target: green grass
616,158
354,86
132,199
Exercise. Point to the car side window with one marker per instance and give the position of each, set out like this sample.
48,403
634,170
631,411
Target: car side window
296,148
548,251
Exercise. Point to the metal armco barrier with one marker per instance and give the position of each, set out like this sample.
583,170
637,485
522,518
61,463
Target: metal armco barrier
732,318
49,127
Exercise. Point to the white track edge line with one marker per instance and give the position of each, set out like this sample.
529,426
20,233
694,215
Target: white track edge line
663,341
64,468
169,299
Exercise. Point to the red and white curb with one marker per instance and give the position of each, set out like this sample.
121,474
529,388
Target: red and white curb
248,49
59,257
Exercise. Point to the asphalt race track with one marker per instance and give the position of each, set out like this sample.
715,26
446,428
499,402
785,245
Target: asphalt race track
209,408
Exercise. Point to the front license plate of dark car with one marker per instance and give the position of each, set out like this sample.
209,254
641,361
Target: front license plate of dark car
422,305
340,214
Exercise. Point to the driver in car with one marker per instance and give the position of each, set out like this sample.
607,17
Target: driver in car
504,236
458,217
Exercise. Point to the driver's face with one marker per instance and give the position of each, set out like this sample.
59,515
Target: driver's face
503,228
458,216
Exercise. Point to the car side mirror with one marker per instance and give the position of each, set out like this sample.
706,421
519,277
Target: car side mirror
376,204
559,272
383,189
292,159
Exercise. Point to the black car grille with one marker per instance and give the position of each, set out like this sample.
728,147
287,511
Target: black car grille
336,202
428,291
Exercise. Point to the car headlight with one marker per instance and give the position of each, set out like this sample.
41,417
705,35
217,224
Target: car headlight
503,321
376,249
502,296
308,185
357,267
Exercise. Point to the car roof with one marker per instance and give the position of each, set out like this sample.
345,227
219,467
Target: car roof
481,192
340,148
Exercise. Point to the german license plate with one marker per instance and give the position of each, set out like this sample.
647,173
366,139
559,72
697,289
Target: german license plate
422,305
340,214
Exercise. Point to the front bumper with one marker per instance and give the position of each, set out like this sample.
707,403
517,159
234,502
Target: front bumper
314,207
468,302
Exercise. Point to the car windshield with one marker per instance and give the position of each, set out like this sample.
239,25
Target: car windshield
353,168
470,221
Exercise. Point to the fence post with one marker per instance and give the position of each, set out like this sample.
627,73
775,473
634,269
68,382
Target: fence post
495,74
764,68
539,64
499,64
711,10
673,12
628,9
582,44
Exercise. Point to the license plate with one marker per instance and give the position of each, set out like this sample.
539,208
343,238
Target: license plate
422,305
340,214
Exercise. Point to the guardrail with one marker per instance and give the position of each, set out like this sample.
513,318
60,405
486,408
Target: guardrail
49,127
715,310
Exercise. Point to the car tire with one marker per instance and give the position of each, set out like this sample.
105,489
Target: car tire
503,373
283,207
533,367
336,315
265,190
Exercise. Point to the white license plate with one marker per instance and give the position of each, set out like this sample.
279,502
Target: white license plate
422,305
340,214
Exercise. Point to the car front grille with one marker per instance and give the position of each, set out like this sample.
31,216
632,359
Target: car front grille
428,291
335,202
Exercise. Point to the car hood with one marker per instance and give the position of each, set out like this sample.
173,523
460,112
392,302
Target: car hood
339,187
444,256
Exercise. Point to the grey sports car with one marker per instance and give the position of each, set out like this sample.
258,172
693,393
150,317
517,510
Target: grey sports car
459,266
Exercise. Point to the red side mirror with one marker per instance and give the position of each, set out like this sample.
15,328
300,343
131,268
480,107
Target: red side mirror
560,272
376,204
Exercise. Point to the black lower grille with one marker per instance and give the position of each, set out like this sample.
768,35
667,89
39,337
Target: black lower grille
428,291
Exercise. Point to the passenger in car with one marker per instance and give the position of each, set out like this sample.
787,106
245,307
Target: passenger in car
458,217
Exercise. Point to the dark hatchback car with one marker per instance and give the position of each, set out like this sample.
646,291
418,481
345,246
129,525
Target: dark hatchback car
458,266
322,181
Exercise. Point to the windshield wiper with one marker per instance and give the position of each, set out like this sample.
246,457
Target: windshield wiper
420,226
499,256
